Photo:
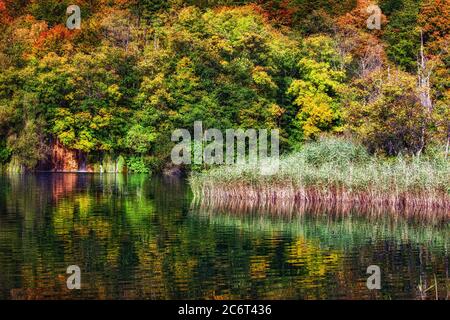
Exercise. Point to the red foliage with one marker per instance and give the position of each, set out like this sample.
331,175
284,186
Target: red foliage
364,44
57,35
4,16
434,19
357,18
279,12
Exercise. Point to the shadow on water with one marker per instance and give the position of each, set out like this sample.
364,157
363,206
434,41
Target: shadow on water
142,238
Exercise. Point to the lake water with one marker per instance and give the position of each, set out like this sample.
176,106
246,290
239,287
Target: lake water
134,237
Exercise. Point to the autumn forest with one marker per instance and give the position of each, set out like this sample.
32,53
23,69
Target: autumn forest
92,205
112,91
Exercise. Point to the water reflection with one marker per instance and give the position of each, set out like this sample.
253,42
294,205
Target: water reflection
135,237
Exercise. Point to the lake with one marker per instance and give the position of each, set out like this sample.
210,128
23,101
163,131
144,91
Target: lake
136,237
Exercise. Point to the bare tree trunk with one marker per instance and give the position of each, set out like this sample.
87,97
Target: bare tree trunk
424,79
424,88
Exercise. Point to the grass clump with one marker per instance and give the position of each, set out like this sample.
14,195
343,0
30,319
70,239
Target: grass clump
336,151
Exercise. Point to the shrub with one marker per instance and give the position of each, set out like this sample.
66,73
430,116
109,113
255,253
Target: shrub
5,154
137,165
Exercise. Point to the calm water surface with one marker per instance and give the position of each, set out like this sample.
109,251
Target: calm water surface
139,238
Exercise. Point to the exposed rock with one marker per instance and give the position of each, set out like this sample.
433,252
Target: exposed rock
63,159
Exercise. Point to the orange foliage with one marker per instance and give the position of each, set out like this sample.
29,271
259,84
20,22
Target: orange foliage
58,36
357,18
279,12
435,22
4,16
361,42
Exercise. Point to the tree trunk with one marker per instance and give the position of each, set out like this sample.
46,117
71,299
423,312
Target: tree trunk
424,91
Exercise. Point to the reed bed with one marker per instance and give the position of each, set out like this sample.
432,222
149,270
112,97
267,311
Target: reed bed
335,172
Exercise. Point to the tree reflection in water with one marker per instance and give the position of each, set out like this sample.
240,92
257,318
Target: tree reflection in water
136,237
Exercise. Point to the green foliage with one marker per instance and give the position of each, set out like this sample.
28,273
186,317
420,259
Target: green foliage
137,70
53,12
137,165
139,139
5,154
121,164
15,166
28,146
90,116
109,164
227,68
316,93
384,111
402,34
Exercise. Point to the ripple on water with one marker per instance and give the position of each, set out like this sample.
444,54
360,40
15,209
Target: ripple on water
140,238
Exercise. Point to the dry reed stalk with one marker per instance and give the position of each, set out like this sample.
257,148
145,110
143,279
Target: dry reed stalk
294,208
408,201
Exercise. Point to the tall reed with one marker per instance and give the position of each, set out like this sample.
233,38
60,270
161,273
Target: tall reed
334,171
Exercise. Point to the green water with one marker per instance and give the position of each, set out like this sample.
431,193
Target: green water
139,238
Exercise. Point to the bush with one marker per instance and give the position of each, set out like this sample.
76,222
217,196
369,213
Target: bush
5,154
137,165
